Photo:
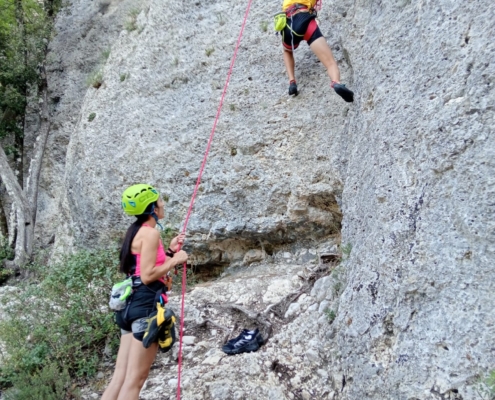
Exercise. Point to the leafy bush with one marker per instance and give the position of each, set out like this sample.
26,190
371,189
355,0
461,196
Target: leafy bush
486,386
6,253
58,328
50,384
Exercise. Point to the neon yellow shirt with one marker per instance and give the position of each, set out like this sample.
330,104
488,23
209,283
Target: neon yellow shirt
307,3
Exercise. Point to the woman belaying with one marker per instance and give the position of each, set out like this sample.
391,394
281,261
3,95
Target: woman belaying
145,323
300,24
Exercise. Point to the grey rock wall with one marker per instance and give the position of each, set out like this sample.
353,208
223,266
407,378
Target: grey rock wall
418,317
85,31
408,167
263,181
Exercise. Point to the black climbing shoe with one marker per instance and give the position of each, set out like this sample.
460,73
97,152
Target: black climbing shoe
246,342
293,88
245,332
155,322
343,92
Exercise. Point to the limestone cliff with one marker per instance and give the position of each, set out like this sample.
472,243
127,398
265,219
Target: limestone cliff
406,171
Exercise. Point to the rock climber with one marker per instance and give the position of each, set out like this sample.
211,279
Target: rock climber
145,324
302,25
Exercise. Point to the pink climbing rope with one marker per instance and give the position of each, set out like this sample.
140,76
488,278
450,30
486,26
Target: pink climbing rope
198,181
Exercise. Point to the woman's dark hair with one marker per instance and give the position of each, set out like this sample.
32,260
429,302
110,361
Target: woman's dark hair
127,260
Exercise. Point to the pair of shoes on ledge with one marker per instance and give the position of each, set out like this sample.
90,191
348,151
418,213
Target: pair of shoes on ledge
247,341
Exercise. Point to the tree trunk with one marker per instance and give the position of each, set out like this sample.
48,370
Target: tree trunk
32,184
19,139
22,207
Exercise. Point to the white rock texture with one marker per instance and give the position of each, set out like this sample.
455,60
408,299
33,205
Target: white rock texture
408,168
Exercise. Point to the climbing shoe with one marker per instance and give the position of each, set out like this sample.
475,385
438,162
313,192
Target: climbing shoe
246,342
166,337
293,88
245,332
155,322
342,91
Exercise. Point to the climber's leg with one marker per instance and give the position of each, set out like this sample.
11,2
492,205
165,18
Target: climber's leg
321,49
290,67
289,64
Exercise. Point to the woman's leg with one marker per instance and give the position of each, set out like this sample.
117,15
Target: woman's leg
323,52
138,368
113,389
289,64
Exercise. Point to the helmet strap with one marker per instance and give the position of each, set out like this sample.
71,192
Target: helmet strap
155,217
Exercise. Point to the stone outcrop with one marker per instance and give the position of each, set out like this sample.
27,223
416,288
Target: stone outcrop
405,174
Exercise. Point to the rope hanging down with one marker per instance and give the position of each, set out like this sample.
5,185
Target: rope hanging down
198,181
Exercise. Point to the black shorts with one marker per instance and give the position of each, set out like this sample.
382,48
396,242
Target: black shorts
142,305
305,26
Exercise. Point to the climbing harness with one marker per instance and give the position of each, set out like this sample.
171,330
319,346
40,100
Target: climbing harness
281,20
198,181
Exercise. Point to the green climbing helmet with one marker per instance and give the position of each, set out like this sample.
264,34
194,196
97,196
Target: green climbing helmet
136,198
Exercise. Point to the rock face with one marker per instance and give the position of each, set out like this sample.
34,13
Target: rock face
406,171
85,31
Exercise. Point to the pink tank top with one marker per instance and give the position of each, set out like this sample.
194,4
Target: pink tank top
160,258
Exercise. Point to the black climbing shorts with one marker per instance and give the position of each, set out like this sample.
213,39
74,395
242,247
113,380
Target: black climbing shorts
305,25
142,304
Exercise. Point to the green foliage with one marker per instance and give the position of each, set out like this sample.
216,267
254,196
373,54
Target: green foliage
191,278
168,234
221,20
26,27
264,26
51,383
346,251
59,327
330,314
95,79
123,77
486,386
232,107
209,51
91,117
105,54
131,21
6,253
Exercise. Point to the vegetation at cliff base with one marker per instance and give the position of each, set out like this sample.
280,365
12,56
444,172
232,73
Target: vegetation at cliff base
57,327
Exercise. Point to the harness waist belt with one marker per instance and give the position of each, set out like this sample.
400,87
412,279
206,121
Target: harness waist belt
295,8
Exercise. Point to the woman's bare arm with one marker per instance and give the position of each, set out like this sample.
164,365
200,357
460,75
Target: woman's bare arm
149,247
